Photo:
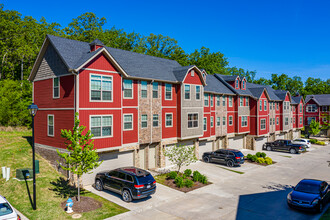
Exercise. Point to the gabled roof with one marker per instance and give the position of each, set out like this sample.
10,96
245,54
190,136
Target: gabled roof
236,91
228,78
216,86
296,100
257,92
270,90
281,94
181,72
322,99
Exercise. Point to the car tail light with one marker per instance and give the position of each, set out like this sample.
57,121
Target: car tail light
18,217
154,182
299,148
237,158
139,195
138,186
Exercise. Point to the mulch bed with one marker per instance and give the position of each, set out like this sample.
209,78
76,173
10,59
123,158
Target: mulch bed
262,164
170,183
86,204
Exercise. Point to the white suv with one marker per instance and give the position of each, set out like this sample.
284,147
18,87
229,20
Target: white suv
302,141
7,212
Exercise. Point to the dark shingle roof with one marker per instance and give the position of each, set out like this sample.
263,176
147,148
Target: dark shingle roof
269,89
228,78
236,91
323,99
281,94
180,72
216,86
296,99
257,92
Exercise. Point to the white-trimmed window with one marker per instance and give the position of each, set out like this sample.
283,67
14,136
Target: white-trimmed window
230,101
244,121
128,88
300,108
101,88
224,121
274,105
212,121
193,120
155,90
270,121
218,121
311,108
262,124
246,101
243,84
265,105
230,120
169,120
50,125
300,120
198,92
237,85
241,101
270,106
168,91
204,124
211,97
56,87
192,73
224,101
144,121
128,122
101,126
144,89
277,105
155,120
187,92
260,105
206,99
286,121
294,120
277,121
218,100
324,108
324,119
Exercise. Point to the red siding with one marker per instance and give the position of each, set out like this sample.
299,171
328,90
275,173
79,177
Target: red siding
231,128
169,132
131,136
207,108
311,114
261,132
244,129
207,133
100,62
173,101
214,124
43,93
196,79
134,100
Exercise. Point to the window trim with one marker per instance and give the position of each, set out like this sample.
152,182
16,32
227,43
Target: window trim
198,92
211,100
153,115
241,101
244,121
230,101
224,100
90,88
144,121
212,121
171,91
169,126
192,120
262,119
218,101
130,129
218,125
131,89
285,119
146,90
230,121
48,125
260,105
204,124
224,120
90,125
265,105
153,90
208,99
59,88
277,121
300,120
184,91
246,101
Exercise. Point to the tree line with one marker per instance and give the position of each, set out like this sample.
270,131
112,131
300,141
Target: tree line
21,39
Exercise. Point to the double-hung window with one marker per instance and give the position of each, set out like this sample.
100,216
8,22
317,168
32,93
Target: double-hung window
212,121
206,99
277,106
262,124
204,124
218,100
270,121
274,105
300,120
155,90
50,125
155,120
168,120
144,121
286,121
230,121
186,91
241,101
243,86
224,101
260,105
128,88
193,120
198,92
246,101
211,97
218,121
101,126
265,105
237,86
277,121
144,89
128,122
230,101
56,87
270,106
244,121
168,91
300,108
101,88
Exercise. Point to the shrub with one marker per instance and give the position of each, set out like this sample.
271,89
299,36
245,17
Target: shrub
196,176
203,179
179,182
187,172
249,156
263,155
268,161
320,143
313,141
172,175
258,154
188,183
260,160
254,158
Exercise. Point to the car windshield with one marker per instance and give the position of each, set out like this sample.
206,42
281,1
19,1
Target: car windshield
5,209
145,179
239,154
307,188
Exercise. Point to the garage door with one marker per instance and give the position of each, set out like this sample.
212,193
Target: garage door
236,143
296,134
280,136
204,146
111,160
259,142
152,156
142,157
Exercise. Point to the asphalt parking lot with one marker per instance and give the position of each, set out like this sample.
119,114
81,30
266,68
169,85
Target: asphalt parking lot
259,193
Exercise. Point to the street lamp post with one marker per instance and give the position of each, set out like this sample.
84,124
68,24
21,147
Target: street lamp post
33,111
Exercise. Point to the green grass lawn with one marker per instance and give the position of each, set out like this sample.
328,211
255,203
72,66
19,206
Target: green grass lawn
16,153
326,215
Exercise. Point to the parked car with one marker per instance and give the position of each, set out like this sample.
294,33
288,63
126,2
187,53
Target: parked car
309,194
302,141
130,182
284,145
229,157
7,211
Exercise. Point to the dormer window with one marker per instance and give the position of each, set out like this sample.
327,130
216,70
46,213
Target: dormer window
192,73
237,86
243,84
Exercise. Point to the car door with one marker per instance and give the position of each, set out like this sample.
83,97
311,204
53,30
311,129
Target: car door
109,180
276,145
215,156
222,156
325,192
119,181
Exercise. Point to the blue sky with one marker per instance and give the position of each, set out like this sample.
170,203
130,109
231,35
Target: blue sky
291,37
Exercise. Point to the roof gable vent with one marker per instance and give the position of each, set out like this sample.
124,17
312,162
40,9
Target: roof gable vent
96,44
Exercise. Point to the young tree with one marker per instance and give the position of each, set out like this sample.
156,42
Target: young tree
314,127
82,157
181,155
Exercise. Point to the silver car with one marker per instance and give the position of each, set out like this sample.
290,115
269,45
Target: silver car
302,141
7,212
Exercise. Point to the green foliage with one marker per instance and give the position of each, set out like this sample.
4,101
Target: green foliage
172,175
263,155
254,158
188,172
314,127
181,155
268,161
320,143
249,156
179,182
196,176
258,154
313,141
188,183
260,160
203,179
81,157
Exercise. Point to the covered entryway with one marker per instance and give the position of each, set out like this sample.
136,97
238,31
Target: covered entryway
111,160
204,146
236,142
259,142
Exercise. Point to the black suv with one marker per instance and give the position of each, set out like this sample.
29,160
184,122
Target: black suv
130,182
229,157
284,145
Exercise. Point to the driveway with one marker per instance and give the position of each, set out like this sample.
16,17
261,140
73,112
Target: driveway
259,193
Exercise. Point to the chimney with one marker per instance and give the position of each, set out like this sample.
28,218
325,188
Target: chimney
96,44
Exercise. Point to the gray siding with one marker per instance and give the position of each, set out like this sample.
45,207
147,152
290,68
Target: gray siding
220,111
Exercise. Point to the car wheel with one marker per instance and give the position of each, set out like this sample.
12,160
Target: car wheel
126,196
206,159
99,185
230,163
320,207
269,148
293,151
